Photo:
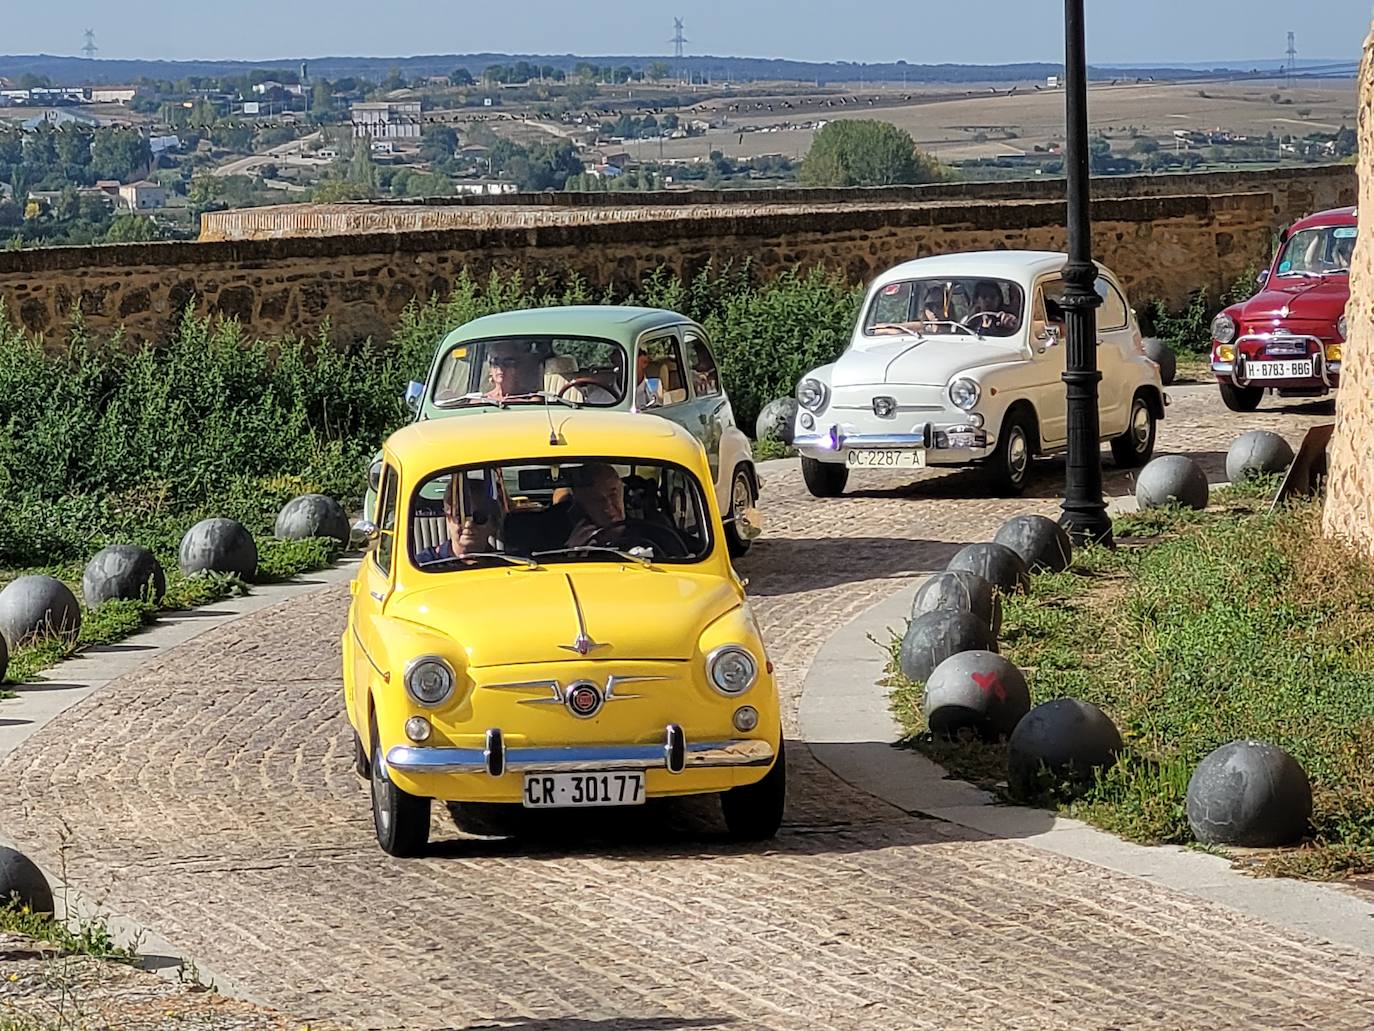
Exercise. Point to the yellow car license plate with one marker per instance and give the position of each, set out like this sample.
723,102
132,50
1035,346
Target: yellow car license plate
575,790
886,458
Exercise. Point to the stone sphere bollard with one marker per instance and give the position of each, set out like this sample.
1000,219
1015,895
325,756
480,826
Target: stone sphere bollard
126,572
20,879
4,657
1162,355
961,590
934,636
1172,479
1249,793
977,690
219,546
995,563
1068,737
1039,540
776,420
35,607
313,515
1257,453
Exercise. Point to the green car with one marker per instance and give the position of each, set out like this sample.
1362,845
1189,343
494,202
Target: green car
608,357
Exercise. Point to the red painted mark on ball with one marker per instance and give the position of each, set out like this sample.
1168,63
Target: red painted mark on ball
991,684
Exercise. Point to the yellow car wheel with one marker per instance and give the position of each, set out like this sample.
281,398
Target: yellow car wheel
754,812
400,819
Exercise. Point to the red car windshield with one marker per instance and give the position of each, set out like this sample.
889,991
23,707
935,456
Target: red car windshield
1320,250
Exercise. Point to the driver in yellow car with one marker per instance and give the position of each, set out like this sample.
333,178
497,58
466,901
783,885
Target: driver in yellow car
599,501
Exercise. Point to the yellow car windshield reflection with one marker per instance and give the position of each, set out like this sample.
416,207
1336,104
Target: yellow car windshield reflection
578,510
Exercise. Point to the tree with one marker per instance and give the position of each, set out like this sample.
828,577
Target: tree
861,152
330,191
127,227
658,70
438,143
121,154
362,170
460,77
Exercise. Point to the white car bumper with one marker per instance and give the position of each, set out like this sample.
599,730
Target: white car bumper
937,445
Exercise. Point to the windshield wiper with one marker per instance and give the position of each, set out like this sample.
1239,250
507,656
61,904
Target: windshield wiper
463,399
644,556
504,402
518,560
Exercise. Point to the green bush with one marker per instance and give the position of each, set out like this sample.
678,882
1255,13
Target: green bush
1190,331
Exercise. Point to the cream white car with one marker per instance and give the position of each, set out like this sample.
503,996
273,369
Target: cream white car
958,360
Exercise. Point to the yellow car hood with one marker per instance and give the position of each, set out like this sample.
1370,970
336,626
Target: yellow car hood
545,615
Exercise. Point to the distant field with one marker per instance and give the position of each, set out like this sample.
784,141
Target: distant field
949,122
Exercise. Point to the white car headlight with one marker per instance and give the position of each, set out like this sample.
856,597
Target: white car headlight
1223,328
732,669
429,680
964,393
1342,328
811,394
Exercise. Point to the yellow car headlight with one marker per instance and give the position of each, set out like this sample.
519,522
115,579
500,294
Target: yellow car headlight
429,680
1333,352
1226,353
731,669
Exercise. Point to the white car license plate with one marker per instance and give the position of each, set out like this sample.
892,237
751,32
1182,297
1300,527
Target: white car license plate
1288,368
574,790
887,458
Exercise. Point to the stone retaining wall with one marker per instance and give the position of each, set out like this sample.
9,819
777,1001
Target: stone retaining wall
1162,246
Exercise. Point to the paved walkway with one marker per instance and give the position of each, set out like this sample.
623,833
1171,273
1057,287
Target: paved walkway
209,794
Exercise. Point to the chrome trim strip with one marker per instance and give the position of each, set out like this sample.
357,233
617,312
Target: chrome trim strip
370,660
582,643
586,758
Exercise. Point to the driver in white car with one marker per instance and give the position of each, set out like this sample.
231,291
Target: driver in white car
989,315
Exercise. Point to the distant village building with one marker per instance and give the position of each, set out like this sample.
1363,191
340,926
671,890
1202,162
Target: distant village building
159,144
484,187
110,94
386,120
58,116
143,196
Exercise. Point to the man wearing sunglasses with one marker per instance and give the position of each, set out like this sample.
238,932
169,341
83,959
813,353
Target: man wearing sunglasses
515,370
471,521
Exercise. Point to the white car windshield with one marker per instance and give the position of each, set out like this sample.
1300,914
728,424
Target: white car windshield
966,306
531,369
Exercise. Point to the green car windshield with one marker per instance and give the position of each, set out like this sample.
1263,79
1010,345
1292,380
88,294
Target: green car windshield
531,369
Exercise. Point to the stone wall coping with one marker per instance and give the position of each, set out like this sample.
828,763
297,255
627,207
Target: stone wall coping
1010,216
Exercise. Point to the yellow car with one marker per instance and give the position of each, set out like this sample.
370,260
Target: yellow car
547,617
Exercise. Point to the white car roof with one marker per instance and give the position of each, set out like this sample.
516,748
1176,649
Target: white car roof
1017,266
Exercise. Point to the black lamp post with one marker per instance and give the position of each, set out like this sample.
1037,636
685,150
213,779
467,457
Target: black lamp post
1085,513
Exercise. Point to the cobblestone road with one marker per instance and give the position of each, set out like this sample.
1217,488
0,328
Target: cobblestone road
210,796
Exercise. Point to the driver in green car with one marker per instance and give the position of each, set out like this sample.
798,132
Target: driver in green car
515,370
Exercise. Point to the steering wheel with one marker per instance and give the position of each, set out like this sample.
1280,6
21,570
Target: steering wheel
990,319
582,381
629,533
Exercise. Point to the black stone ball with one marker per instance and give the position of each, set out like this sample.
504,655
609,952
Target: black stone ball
22,881
1249,793
220,546
313,515
995,563
1162,355
975,690
1039,540
4,657
1068,737
1172,480
776,420
36,607
1257,453
125,572
934,636
962,590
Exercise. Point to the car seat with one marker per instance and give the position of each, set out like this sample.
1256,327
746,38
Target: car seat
559,371
671,389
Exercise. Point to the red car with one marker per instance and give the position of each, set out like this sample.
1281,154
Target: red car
1288,337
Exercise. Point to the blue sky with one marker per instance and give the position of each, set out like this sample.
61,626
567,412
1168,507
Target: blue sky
919,31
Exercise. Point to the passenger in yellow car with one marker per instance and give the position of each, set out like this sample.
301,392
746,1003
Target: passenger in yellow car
472,523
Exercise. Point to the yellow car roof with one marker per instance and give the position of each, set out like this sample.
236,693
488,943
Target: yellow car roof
514,435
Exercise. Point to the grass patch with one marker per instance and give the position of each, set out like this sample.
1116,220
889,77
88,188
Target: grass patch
86,938
770,447
1202,628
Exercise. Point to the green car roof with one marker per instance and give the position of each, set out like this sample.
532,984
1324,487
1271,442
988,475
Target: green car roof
618,322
